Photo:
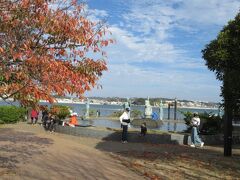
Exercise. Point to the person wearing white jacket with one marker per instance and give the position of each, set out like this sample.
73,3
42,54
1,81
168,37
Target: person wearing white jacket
195,122
125,120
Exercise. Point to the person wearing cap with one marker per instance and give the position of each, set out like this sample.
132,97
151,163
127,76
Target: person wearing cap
73,120
195,122
125,120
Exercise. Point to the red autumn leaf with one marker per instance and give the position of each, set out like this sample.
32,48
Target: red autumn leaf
34,39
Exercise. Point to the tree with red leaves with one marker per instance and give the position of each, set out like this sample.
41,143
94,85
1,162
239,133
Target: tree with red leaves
45,50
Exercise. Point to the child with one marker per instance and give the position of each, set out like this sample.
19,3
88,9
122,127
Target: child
143,129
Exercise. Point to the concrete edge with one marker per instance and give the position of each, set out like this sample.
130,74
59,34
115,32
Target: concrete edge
164,138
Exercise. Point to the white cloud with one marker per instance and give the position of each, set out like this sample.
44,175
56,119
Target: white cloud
129,81
209,12
132,48
166,13
96,15
143,36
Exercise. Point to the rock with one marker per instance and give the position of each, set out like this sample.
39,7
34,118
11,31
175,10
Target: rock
149,122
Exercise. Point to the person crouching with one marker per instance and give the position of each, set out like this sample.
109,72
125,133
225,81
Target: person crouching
125,120
73,120
143,129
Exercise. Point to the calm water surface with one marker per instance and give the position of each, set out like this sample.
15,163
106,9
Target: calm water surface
107,110
167,126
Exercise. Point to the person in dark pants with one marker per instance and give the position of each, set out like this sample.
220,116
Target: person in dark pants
125,120
45,121
44,114
34,116
143,129
53,123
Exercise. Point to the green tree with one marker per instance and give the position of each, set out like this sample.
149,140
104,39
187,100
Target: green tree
222,56
139,101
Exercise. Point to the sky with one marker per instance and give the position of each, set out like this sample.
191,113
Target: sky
158,46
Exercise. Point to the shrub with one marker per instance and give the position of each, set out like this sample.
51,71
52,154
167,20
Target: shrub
136,113
187,118
60,111
210,124
92,112
11,114
116,113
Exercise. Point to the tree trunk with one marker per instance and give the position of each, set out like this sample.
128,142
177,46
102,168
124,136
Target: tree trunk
228,107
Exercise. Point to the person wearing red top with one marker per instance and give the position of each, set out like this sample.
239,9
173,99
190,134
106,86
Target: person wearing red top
34,116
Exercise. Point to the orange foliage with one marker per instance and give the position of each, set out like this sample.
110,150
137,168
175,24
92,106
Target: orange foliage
44,50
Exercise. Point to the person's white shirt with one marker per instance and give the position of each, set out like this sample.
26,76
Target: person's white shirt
124,116
196,121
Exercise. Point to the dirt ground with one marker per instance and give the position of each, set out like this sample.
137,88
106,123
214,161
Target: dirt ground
28,152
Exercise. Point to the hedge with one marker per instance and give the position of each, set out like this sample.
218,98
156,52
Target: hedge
11,114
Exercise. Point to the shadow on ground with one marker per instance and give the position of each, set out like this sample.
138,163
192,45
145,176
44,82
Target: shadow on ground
171,160
18,147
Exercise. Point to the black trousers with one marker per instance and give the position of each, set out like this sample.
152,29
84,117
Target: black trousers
34,120
143,131
52,126
124,132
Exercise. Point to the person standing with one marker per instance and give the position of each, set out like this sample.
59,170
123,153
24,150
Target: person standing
98,113
125,120
195,122
44,114
34,116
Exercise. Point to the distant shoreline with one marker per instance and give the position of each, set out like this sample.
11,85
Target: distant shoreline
180,107
183,107
66,101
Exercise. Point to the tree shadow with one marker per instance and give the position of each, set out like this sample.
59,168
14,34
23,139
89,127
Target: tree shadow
135,137
167,157
18,147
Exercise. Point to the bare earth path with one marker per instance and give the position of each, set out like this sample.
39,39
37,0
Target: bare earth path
28,152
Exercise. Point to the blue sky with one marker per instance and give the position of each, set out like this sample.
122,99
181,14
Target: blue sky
158,47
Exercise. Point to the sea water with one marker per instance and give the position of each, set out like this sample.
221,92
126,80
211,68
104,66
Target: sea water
107,110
